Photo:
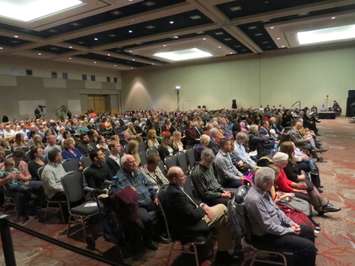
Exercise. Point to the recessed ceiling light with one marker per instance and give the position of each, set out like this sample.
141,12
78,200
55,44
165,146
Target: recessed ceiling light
115,65
130,31
133,59
70,58
164,45
278,38
39,53
130,51
235,8
219,47
204,39
283,46
195,17
1,48
176,37
70,47
96,39
149,3
332,17
29,10
231,53
150,27
16,36
227,39
272,27
171,22
94,62
108,54
116,12
327,34
182,55
131,67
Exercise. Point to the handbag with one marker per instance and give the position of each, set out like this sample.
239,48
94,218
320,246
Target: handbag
298,204
296,216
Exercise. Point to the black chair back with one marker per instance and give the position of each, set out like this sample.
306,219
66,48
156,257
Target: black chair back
190,155
71,165
73,186
182,161
170,161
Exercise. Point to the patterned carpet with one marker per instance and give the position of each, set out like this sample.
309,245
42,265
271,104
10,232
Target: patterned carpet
336,242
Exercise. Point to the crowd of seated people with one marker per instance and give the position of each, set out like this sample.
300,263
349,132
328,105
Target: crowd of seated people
229,147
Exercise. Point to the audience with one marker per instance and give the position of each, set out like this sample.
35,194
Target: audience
117,145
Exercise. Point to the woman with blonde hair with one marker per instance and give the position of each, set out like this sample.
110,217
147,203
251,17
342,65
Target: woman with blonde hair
133,149
152,141
70,151
176,143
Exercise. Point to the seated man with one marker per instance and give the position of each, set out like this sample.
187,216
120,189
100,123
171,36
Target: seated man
229,175
152,171
130,176
98,171
52,175
271,228
205,181
51,144
190,219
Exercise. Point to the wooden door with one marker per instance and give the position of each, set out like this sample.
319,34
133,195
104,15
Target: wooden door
97,103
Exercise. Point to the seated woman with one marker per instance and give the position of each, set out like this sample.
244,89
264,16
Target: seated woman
176,142
263,144
70,151
152,141
204,143
304,190
19,142
133,149
165,149
17,179
240,144
299,162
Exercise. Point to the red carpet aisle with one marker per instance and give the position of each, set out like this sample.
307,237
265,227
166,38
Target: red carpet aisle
336,242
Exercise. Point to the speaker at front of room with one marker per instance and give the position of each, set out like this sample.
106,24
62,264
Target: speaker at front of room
234,104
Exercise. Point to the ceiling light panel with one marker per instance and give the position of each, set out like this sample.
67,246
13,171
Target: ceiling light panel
331,34
30,10
183,55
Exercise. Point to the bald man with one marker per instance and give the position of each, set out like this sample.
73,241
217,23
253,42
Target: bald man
189,218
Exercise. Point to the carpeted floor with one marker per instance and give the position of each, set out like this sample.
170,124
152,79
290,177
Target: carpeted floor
336,242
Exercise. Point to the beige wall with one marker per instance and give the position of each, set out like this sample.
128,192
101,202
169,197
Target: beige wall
283,79
16,88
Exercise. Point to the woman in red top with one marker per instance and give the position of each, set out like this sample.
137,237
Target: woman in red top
302,190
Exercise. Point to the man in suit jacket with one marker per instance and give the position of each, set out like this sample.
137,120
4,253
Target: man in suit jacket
188,218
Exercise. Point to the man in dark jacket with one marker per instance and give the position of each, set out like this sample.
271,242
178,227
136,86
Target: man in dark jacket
188,218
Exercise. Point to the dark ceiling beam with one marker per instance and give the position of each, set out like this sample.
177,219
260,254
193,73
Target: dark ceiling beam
221,20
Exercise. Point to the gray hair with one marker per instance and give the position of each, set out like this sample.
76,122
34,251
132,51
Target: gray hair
263,177
207,153
242,136
280,157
